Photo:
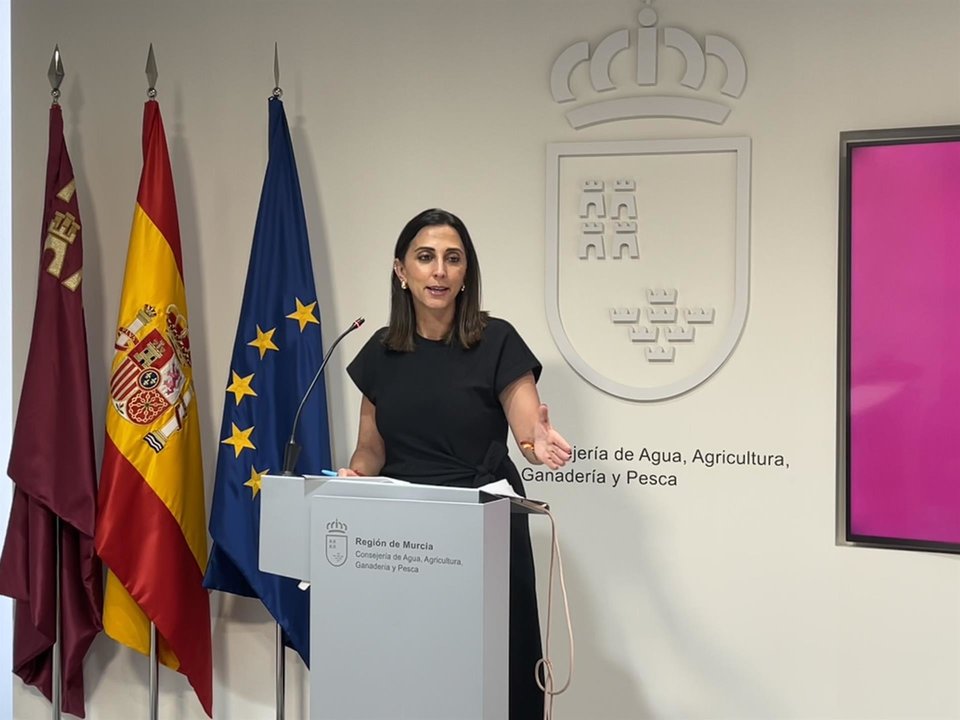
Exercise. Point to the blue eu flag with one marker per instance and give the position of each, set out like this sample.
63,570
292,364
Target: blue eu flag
276,352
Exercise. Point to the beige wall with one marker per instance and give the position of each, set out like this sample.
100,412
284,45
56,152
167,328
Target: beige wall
6,334
723,597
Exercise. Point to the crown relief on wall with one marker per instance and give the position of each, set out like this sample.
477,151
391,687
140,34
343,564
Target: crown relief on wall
647,71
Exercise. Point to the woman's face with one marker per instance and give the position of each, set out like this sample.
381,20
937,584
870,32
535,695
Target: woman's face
434,268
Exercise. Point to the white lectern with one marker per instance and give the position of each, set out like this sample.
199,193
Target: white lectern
409,611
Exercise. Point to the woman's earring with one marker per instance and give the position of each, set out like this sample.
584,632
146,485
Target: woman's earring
462,288
403,284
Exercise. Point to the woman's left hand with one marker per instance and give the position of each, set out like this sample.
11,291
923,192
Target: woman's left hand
548,445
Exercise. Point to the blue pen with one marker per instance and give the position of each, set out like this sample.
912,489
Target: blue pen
329,473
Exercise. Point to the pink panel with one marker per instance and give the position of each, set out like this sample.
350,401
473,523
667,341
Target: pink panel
905,342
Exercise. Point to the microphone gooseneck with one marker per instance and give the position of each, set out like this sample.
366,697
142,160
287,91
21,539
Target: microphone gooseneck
292,450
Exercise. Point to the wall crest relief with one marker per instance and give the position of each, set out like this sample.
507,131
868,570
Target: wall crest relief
648,240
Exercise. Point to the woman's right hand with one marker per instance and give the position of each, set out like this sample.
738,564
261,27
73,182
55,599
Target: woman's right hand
347,472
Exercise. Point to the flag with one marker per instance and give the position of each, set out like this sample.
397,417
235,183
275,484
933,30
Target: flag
150,521
52,461
276,353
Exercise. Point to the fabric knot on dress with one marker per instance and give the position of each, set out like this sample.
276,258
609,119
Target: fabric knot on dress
487,470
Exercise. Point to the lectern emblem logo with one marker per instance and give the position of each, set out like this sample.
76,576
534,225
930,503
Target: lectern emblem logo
336,543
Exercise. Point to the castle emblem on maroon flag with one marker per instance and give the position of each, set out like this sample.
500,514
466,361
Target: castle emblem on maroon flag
149,380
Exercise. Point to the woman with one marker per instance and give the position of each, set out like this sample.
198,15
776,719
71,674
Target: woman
440,386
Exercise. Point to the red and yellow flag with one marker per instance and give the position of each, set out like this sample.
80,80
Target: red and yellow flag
151,525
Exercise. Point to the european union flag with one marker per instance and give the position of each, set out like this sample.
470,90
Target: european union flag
276,353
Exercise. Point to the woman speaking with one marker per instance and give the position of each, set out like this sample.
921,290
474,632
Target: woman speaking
441,384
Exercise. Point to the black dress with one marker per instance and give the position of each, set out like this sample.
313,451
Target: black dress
439,414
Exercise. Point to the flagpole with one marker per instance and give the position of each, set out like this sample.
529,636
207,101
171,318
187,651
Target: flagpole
55,75
56,681
151,72
281,669
281,674
154,675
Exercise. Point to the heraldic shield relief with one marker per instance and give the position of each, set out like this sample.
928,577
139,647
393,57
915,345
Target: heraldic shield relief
150,383
647,245
336,543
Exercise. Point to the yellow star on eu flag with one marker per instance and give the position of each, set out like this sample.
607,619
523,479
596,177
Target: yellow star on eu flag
264,341
241,386
304,314
255,480
239,439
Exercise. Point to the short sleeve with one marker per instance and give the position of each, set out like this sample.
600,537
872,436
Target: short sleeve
363,368
515,358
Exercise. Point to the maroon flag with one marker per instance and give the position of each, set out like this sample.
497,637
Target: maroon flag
52,460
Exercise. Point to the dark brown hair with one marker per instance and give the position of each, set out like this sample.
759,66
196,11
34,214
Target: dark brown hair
469,320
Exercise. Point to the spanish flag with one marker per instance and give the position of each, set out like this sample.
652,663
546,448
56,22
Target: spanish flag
151,525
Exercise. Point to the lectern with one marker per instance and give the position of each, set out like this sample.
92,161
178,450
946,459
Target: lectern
409,607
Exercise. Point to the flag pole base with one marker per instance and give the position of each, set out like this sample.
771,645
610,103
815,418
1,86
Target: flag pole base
154,674
281,674
56,697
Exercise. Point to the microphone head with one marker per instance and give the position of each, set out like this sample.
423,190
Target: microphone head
358,322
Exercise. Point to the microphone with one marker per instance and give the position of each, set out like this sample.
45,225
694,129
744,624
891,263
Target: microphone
292,450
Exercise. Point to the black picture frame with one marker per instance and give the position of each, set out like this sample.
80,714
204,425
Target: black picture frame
907,531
